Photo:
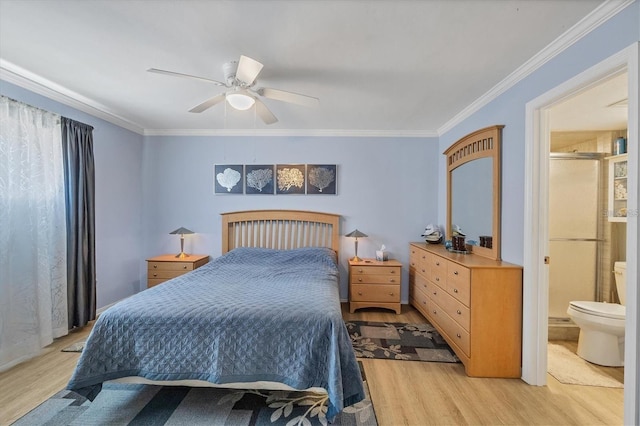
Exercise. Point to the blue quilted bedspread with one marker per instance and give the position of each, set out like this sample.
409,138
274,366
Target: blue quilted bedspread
250,315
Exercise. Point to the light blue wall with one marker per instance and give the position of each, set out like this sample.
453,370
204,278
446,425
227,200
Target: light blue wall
509,109
386,188
118,168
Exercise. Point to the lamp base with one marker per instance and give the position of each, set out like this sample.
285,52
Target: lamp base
182,255
355,259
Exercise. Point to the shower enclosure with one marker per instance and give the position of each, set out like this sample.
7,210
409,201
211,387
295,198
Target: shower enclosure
575,230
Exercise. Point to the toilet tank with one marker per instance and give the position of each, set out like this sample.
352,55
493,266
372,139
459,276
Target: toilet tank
620,272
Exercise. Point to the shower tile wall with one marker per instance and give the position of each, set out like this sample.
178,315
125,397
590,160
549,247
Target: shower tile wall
614,234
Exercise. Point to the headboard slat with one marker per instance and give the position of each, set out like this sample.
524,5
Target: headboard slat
280,229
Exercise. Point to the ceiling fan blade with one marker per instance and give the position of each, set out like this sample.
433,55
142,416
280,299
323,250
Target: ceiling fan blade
248,70
284,96
208,103
179,74
264,113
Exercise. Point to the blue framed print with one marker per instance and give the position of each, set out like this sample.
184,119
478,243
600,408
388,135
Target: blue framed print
259,179
228,179
321,179
290,178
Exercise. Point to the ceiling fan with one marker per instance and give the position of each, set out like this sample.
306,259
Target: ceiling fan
240,80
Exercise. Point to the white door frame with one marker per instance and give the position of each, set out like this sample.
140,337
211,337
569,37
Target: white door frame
536,273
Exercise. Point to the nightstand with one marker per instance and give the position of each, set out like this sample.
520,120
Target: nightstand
375,284
167,266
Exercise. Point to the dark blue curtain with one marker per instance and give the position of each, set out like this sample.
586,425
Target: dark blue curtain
79,175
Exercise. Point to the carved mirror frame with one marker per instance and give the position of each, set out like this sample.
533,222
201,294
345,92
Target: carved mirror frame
479,144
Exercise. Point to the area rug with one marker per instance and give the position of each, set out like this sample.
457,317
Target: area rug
409,342
76,347
127,404
569,368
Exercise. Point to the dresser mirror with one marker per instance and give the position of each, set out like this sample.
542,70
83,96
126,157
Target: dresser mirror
473,190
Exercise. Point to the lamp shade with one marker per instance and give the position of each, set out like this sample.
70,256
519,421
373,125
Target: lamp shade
356,234
181,231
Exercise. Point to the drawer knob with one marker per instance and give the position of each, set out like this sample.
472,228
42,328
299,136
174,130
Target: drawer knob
360,270
391,294
455,290
434,312
437,278
437,263
424,302
155,266
424,271
455,272
435,292
458,335
424,257
359,279
393,271
155,275
459,312
392,280
424,285
359,293
184,267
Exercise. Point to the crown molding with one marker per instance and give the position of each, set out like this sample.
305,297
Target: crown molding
293,132
593,20
14,74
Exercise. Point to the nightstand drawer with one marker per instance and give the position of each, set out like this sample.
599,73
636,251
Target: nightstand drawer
378,293
375,279
375,270
164,274
170,266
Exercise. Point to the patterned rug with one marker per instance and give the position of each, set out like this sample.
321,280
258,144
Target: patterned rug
127,404
410,342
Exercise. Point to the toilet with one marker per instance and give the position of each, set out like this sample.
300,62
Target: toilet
601,339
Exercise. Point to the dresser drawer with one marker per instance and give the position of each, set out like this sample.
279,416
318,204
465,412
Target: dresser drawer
378,293
170,266
419,298
454,331
437,265
418,261
459,312
459,282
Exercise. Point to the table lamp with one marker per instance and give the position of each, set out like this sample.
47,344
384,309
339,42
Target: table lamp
356,234
182,231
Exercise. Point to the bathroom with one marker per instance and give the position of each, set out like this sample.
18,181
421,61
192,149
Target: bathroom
587,234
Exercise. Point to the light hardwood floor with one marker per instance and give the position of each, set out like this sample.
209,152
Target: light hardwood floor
403,392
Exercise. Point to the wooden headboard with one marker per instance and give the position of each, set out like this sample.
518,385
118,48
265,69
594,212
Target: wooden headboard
280,229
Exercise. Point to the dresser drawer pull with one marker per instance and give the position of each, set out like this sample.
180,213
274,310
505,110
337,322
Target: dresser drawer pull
393,271
458,335
360,270
391,294
437,278
459,312
392,280
455,272
184,267
413,264
435,293
437,263
424,271
424,285
435,312
424,257
359,279
155,275
455,290
359,293
424,302
155,266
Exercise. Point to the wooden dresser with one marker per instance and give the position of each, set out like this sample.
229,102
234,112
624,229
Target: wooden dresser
474,302
375,284
167,266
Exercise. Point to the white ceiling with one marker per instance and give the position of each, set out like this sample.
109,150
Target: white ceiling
397,67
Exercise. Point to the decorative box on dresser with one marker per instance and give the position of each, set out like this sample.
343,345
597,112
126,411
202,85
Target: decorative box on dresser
163,268
474,302
375,284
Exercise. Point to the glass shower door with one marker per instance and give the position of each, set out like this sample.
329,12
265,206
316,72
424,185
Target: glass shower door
574,206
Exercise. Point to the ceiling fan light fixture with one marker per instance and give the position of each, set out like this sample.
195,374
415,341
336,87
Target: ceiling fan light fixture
240,100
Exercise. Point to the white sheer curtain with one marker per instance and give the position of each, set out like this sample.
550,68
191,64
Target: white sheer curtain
33,282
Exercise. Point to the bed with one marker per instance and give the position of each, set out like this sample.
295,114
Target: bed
266,314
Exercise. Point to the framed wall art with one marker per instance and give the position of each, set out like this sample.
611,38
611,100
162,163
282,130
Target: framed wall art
290,179
228,179
321,179
259,179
